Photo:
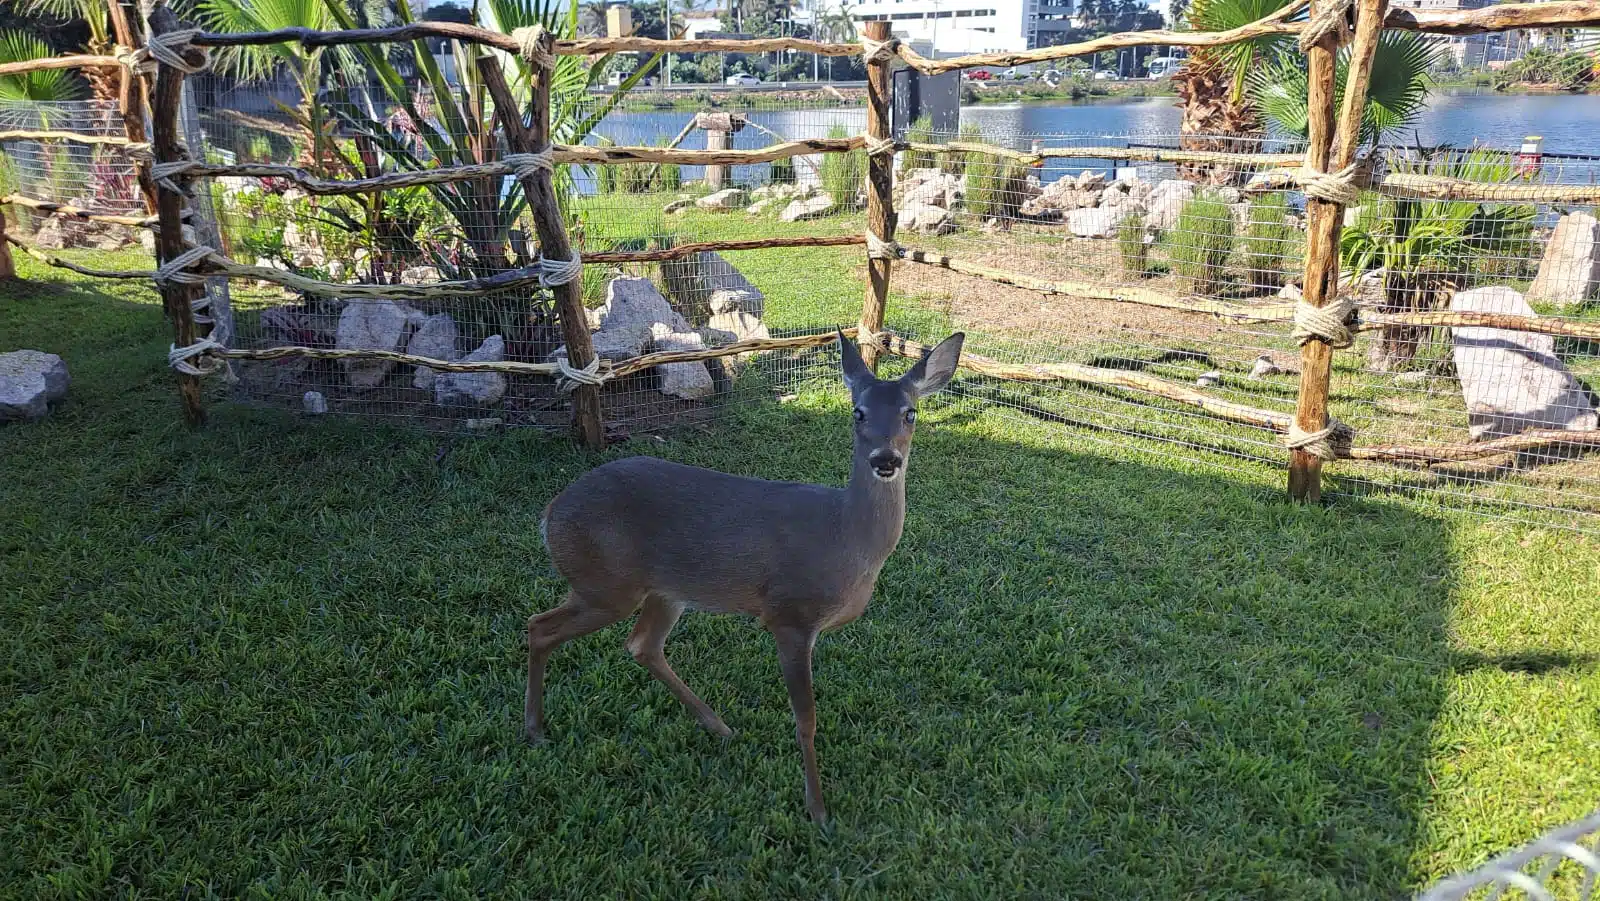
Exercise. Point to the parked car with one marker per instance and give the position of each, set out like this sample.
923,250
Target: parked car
743,79
1105,75
979,75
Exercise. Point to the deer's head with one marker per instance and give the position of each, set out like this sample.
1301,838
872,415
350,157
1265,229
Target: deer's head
886,410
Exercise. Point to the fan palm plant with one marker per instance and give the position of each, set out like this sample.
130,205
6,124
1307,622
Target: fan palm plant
1396,96
303,64
104,82
1428,250
48,86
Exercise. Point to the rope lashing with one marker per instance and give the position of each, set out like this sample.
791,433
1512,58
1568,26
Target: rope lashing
1330,323
572,377
1332,17
531,41
879,249
163,173
169,48
1333,187
526,164
138,61
878,146
196,359
878,51
1320,443
558,272
176,271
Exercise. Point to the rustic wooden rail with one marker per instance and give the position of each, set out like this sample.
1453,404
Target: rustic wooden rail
24,134
62,209
1331,147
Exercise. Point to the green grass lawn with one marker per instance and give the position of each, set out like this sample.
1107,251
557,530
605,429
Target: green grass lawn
273,658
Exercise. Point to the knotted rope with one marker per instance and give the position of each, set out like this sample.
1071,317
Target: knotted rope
558,272
137,61
572,377
180,358
1333,187
1330,323
176,270
1332,17
526,164
1321,443
878,51
879,249
531,41
878,146
169,49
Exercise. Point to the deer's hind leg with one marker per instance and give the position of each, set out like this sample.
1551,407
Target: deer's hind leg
648,645
577,616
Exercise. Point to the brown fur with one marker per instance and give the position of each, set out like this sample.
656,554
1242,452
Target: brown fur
647,535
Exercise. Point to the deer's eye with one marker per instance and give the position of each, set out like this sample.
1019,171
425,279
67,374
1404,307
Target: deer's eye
911,417
861,415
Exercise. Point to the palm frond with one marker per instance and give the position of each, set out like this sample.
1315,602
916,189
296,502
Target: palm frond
1238,60
49,86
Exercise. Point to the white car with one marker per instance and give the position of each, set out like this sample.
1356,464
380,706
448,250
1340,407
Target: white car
1105,75
743,79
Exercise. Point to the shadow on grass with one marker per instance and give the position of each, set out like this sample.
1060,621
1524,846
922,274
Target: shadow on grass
286,658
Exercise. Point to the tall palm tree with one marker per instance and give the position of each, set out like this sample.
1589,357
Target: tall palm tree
1211,84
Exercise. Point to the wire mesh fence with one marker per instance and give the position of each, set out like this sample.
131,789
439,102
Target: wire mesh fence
1161,291
1186,274
87,176
482,227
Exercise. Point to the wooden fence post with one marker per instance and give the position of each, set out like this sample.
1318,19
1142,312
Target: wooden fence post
880,199
176,298
539,186
131,101
8,269
1328,150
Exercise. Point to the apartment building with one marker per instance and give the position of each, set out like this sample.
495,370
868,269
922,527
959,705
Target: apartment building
954,27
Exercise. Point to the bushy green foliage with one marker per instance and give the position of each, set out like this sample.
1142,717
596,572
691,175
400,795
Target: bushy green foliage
1267,249
782,172
1132,247
955,162
639,178
1571,70
996,187
1199,245
843,175
920,132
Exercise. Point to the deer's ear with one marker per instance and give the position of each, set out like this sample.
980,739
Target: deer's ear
933,371
856,374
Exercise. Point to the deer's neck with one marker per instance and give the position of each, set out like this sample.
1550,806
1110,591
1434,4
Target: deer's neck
875,511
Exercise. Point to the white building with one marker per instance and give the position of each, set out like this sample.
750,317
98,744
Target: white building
954,27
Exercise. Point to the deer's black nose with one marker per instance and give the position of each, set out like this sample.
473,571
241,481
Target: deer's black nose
886,463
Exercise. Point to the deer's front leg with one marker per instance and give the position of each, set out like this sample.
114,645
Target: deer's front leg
794,658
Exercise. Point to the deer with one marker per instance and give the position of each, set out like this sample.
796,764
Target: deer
647,535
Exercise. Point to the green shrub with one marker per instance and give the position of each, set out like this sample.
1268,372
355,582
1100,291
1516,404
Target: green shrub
843,174
955,162
638,178
782,172
1132,248
920,132
996,187
1198,246
1268,243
